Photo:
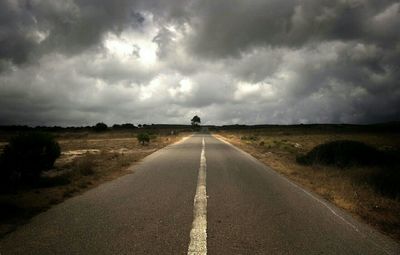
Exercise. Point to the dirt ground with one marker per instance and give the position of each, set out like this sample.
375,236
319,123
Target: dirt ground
86,161
344,187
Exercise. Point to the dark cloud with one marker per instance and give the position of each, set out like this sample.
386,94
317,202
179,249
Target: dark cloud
16,39
228,28
77,62
69,27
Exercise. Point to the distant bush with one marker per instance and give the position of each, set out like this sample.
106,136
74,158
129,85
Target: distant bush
343,154
26,156
100,127
143,138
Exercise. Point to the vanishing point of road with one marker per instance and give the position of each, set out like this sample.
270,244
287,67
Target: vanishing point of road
199,196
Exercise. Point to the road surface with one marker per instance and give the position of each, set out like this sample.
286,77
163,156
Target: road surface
200,196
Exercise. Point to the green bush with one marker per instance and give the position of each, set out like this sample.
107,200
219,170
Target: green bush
143,138
26,156
345,153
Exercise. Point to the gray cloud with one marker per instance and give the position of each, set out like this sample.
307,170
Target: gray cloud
227,28
36,27
81,62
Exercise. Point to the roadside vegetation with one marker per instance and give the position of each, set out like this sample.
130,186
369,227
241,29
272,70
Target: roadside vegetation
143,138
39,170
358,169
25,157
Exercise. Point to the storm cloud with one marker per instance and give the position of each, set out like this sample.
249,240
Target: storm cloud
258,61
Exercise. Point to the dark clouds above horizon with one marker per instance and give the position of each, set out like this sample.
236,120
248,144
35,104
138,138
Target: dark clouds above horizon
78,62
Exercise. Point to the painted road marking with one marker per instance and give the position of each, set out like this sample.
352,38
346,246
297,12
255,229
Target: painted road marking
198,234
298,187
326,205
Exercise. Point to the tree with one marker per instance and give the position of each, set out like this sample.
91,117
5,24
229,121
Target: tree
100,127
196,120
124,126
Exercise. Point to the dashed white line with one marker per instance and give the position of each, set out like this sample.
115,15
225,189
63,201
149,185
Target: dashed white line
198,234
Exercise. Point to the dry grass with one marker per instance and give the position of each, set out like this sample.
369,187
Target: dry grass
346,189
87,160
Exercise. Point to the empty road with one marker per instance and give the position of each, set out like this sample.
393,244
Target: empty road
200,196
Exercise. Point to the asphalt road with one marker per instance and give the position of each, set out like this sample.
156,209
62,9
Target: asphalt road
248,209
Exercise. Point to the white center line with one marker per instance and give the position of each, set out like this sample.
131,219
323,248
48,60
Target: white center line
198,234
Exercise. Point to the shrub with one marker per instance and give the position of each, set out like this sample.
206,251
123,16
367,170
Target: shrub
143,138
26,156
343,154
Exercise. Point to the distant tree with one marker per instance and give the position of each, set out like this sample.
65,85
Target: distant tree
128,126
124,126
196,120
143,138
99,127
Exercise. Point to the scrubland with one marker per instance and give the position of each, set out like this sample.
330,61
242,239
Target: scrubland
371,192
87,160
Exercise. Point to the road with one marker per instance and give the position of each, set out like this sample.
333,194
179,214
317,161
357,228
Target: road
197,197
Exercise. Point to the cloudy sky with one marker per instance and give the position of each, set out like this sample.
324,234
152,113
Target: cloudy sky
79,62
